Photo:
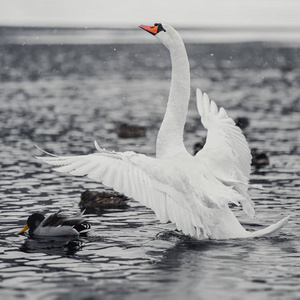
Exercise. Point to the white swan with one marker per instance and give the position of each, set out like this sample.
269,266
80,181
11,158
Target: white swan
191,192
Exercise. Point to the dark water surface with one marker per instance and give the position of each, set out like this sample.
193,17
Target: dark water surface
62,97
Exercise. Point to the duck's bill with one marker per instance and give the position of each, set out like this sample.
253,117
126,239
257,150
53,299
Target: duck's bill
151,29
24,229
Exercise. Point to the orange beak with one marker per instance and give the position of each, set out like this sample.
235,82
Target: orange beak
151,29
24,229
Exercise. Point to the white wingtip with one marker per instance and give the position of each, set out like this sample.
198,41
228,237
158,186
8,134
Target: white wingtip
256,186
198,92
213,107
206,103
97,146
223,113
199,97
45,152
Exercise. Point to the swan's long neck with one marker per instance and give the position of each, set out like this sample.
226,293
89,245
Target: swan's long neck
170,136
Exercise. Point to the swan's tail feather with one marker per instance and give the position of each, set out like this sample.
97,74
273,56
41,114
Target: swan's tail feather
270,230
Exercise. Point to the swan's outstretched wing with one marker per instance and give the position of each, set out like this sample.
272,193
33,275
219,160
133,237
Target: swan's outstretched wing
155,183
226,152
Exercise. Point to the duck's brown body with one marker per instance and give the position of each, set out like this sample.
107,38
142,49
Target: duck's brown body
130,131
101,200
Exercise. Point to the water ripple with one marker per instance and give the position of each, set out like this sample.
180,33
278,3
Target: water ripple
129,254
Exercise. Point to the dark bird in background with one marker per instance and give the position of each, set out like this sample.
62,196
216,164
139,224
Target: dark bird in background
101,200
242,122
130,131
259,159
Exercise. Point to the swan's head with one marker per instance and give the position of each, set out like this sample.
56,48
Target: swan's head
165,33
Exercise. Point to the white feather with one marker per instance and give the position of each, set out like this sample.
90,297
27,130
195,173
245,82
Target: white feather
232,163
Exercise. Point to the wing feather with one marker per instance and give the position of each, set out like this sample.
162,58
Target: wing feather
153,182
226,152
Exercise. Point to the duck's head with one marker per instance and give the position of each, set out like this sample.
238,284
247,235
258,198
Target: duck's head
33,222
165,33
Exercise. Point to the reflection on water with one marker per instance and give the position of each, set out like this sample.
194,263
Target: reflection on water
63,97
55,246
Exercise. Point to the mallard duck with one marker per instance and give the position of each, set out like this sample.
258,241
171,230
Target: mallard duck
102,200
259,159
242,122
55,224
130,131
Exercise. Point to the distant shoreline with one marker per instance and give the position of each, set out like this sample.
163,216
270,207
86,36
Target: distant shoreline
185,28
103,35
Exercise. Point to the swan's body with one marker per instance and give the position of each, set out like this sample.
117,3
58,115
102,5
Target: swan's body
193,192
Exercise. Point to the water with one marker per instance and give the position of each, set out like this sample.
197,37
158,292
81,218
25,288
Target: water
62,97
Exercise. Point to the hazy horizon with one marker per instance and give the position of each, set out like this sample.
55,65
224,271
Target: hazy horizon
72,35
118,13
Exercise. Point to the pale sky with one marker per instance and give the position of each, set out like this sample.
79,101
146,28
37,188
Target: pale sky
113,13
